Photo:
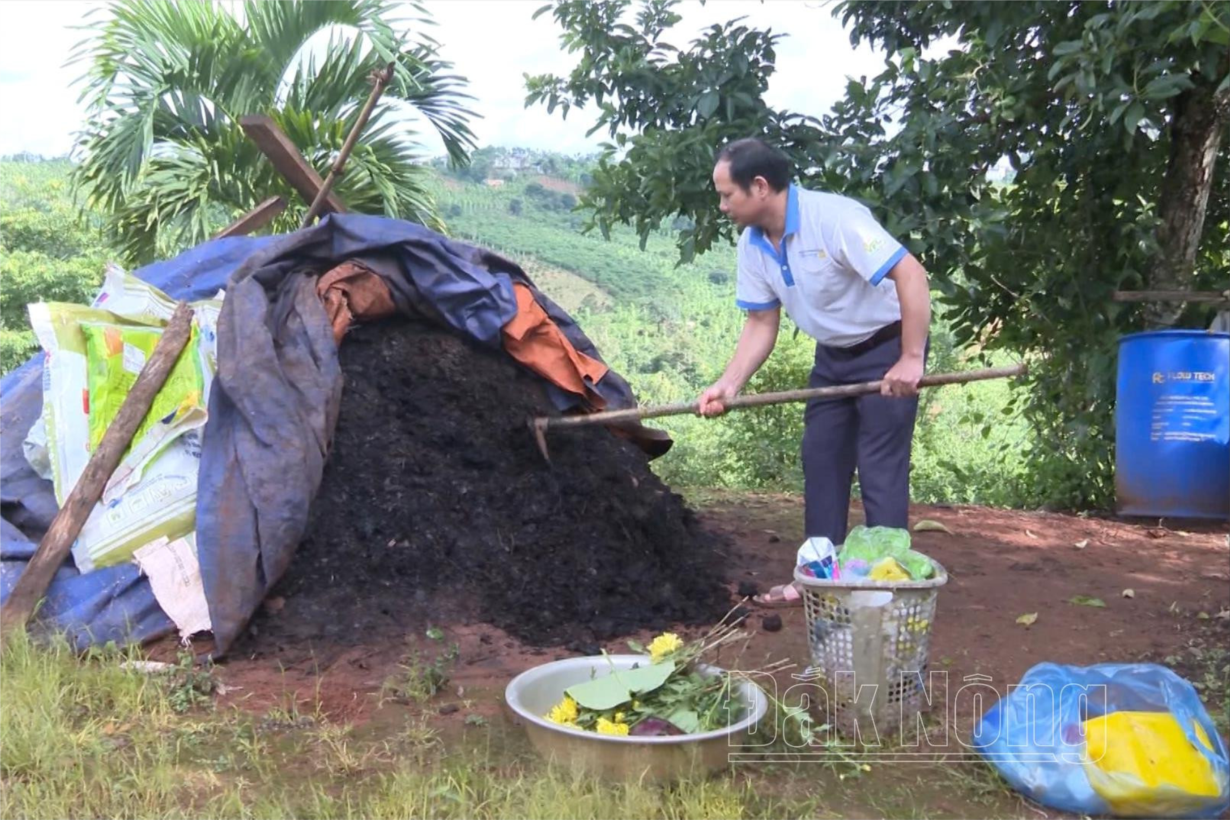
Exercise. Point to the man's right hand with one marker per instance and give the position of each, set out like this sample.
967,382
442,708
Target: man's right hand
713,401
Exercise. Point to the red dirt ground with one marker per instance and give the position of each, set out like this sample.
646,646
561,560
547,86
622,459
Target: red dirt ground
1002,564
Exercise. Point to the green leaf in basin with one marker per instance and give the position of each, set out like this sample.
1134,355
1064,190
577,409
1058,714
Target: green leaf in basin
617,688
685,719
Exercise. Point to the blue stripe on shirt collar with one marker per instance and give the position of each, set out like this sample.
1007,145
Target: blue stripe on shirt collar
792,210
792,226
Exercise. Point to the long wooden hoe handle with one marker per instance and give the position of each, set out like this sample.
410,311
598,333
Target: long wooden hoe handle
540,425
762,399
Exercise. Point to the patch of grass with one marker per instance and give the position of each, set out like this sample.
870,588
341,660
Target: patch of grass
420,679
237,748
466,790
289,714
1214,685
190,685
417,739
335,751
85,737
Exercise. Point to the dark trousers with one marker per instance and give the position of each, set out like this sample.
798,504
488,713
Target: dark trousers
872,433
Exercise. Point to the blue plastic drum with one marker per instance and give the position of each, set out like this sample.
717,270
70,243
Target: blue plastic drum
1172,423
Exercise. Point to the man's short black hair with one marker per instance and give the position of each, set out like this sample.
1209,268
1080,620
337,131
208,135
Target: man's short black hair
750,158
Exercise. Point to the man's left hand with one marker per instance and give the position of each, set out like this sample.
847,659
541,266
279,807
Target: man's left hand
901,381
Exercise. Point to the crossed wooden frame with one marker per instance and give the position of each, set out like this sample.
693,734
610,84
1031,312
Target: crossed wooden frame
288,162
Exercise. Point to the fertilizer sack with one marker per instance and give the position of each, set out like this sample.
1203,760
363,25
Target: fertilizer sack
92,357
114,356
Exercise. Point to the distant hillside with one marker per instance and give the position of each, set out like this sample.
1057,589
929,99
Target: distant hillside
530,218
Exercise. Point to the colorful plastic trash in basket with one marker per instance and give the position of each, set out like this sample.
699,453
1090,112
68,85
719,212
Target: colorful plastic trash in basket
869,643
1128,740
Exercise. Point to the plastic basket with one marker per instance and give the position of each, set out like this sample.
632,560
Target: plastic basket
870,633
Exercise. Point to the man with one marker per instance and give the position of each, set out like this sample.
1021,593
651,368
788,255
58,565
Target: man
865,300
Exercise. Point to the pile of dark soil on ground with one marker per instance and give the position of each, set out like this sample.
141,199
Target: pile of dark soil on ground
435,497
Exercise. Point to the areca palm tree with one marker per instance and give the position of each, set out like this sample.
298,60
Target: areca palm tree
163,154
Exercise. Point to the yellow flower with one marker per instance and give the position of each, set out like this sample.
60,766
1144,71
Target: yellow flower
564,713
619,717
663,645
611,727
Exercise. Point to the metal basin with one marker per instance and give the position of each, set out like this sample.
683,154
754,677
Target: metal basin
531,695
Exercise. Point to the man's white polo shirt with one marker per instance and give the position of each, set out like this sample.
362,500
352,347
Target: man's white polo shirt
831,276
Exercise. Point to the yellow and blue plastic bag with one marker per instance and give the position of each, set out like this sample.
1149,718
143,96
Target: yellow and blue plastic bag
1142,764
1126,740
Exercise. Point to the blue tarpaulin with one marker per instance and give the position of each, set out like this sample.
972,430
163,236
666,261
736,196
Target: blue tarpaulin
272,410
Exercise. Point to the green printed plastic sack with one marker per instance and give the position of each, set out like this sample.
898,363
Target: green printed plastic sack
873,544
115,355
66,392
153,493
140,302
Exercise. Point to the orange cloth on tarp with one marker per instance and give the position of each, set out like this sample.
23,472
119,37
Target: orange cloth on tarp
533,339
350,291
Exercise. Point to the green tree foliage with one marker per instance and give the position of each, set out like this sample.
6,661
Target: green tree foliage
164,156
1111,117
48,250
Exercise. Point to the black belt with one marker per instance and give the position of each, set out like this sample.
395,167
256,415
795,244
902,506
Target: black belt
884,334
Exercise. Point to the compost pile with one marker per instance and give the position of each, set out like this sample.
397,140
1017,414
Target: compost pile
436,504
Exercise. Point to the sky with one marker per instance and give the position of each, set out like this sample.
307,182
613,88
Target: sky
491,42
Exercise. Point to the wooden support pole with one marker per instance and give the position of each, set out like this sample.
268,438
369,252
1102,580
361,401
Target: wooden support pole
66,526
288,161
379,80
255,219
